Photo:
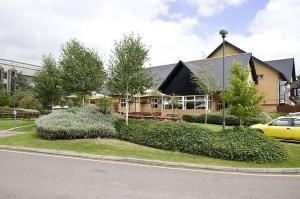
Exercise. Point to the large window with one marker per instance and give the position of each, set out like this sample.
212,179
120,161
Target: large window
188,102
154,102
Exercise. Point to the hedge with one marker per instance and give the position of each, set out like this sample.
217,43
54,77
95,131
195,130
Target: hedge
242,144
75,123
218,119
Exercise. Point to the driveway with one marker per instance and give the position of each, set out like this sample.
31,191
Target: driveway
27,175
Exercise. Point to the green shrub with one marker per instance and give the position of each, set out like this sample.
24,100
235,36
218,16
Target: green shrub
241,144
104,104
30,102
246,144
215,118
75,123
275,115
4,97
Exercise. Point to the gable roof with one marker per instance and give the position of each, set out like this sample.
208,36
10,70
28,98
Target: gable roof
255,58
286,66
216,67
160,73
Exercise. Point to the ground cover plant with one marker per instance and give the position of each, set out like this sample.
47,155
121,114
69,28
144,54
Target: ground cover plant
74,123
242,144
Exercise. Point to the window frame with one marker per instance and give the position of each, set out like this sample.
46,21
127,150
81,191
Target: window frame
123,102
154,104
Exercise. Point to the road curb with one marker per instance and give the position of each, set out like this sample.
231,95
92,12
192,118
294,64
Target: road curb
154,162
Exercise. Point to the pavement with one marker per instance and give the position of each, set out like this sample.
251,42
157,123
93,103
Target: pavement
28,175
6,133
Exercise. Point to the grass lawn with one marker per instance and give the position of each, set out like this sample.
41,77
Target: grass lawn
213,127
9,123
120,148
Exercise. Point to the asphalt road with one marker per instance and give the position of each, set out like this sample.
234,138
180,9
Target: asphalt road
24,175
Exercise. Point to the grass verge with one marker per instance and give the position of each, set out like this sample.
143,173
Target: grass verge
29,138
9,123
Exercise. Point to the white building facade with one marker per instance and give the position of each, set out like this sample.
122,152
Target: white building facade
9,69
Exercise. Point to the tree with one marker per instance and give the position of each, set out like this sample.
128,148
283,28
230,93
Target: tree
242,96
30,102
47,82
175,104
82,69
127,74
22,84
206,83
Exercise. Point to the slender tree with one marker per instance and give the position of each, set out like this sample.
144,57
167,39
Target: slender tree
206,82
22,83
47,82
127,74
175,104
82,69
242,96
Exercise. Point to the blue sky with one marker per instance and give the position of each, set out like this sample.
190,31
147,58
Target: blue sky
236,19
173,29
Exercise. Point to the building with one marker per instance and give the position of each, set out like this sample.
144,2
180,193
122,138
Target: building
9,68
274,79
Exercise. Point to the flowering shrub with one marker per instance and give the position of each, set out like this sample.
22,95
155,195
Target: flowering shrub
76,123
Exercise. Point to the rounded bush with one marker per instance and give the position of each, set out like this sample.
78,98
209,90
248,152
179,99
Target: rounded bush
245,144
76,123
242,144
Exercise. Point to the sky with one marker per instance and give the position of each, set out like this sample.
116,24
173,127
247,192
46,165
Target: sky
173,29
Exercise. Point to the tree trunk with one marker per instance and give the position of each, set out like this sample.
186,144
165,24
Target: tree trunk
206,109
83,101
127,109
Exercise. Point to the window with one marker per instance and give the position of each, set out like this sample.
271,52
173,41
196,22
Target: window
5,75
297,123
154,102
282,89
282,122
189,102
123,102
260,77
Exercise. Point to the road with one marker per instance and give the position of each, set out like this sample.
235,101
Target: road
30,176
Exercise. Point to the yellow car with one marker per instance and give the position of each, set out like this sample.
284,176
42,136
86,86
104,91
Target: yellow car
282,127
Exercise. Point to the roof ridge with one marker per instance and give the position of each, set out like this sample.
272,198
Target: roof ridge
220,57
279,59
20,62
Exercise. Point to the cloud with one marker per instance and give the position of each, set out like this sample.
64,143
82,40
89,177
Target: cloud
35,28
208,8
274,32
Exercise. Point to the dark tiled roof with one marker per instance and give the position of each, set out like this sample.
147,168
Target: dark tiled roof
285,66
161,72
217,65
255,58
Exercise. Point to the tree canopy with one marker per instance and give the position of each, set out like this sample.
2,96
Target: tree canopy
47,82
242,96
127,74
82,69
